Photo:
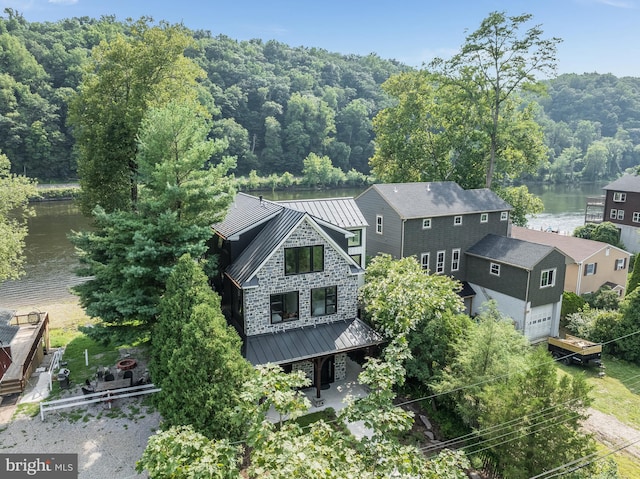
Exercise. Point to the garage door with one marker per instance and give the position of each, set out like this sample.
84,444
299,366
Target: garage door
539,323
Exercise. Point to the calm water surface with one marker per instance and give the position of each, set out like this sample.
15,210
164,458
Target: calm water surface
50,258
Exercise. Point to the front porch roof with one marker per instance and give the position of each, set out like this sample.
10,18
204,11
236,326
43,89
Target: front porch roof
310,342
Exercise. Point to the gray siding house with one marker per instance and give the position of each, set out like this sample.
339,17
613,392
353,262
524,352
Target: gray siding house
435,222
458,233
525,279
290,288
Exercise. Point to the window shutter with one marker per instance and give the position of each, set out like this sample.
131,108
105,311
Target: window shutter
584,269
595,268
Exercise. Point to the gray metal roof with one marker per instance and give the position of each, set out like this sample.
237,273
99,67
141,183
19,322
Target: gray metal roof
629,183
263,245
6,315
245,212
305,343
7,331
515,252
343,212
443,198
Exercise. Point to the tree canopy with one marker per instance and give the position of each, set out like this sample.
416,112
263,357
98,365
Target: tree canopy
15,192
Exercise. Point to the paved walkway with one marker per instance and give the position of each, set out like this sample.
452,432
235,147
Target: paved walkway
335,397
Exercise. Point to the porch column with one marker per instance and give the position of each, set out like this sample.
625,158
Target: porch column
317,365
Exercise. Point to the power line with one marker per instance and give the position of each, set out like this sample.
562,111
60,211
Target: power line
589,459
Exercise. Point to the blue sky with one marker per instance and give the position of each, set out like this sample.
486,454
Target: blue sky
598,35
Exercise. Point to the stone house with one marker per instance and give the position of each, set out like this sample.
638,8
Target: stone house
290,288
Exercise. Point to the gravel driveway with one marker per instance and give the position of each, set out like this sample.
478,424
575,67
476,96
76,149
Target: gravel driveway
108,441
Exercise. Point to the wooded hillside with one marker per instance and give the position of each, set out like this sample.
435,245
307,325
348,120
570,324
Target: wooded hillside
277,103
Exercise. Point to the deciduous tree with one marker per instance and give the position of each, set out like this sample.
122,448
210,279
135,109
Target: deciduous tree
15,192
124,78
496,61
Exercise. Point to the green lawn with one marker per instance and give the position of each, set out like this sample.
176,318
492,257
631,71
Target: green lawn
617,394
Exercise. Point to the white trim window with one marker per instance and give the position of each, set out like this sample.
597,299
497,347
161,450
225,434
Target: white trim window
620,214
621,263
424,261
379,223
440,256
619,197
455,259
504,215
484,217
590,269
457,220
494,269
548,278
636,217
426,223
613,214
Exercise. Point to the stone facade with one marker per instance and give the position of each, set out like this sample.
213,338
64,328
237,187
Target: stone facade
272,280
339,364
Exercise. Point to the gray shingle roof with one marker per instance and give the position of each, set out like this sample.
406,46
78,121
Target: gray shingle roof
343,212
245,212
515,252
630,183
263,245
305,343
444,198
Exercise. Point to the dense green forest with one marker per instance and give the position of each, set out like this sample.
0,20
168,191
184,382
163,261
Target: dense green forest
276,103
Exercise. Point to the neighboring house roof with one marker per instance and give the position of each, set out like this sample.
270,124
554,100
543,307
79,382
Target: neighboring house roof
343,212
443,198
6,315
515,252
305,343
7,331
246,212
628,183
578,249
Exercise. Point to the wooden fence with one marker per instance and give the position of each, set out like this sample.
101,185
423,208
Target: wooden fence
103,396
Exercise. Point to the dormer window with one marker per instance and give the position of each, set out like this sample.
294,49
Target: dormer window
619,197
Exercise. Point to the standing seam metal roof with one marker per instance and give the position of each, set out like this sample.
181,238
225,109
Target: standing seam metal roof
244,212
309,342
343,212
263,245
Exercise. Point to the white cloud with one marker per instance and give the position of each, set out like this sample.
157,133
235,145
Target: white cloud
64,2
617,3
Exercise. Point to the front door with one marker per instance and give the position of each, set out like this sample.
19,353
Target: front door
327,372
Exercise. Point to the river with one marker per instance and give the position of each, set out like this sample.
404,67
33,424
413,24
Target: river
50,257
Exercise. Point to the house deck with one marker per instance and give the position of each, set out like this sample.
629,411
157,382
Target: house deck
26,352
